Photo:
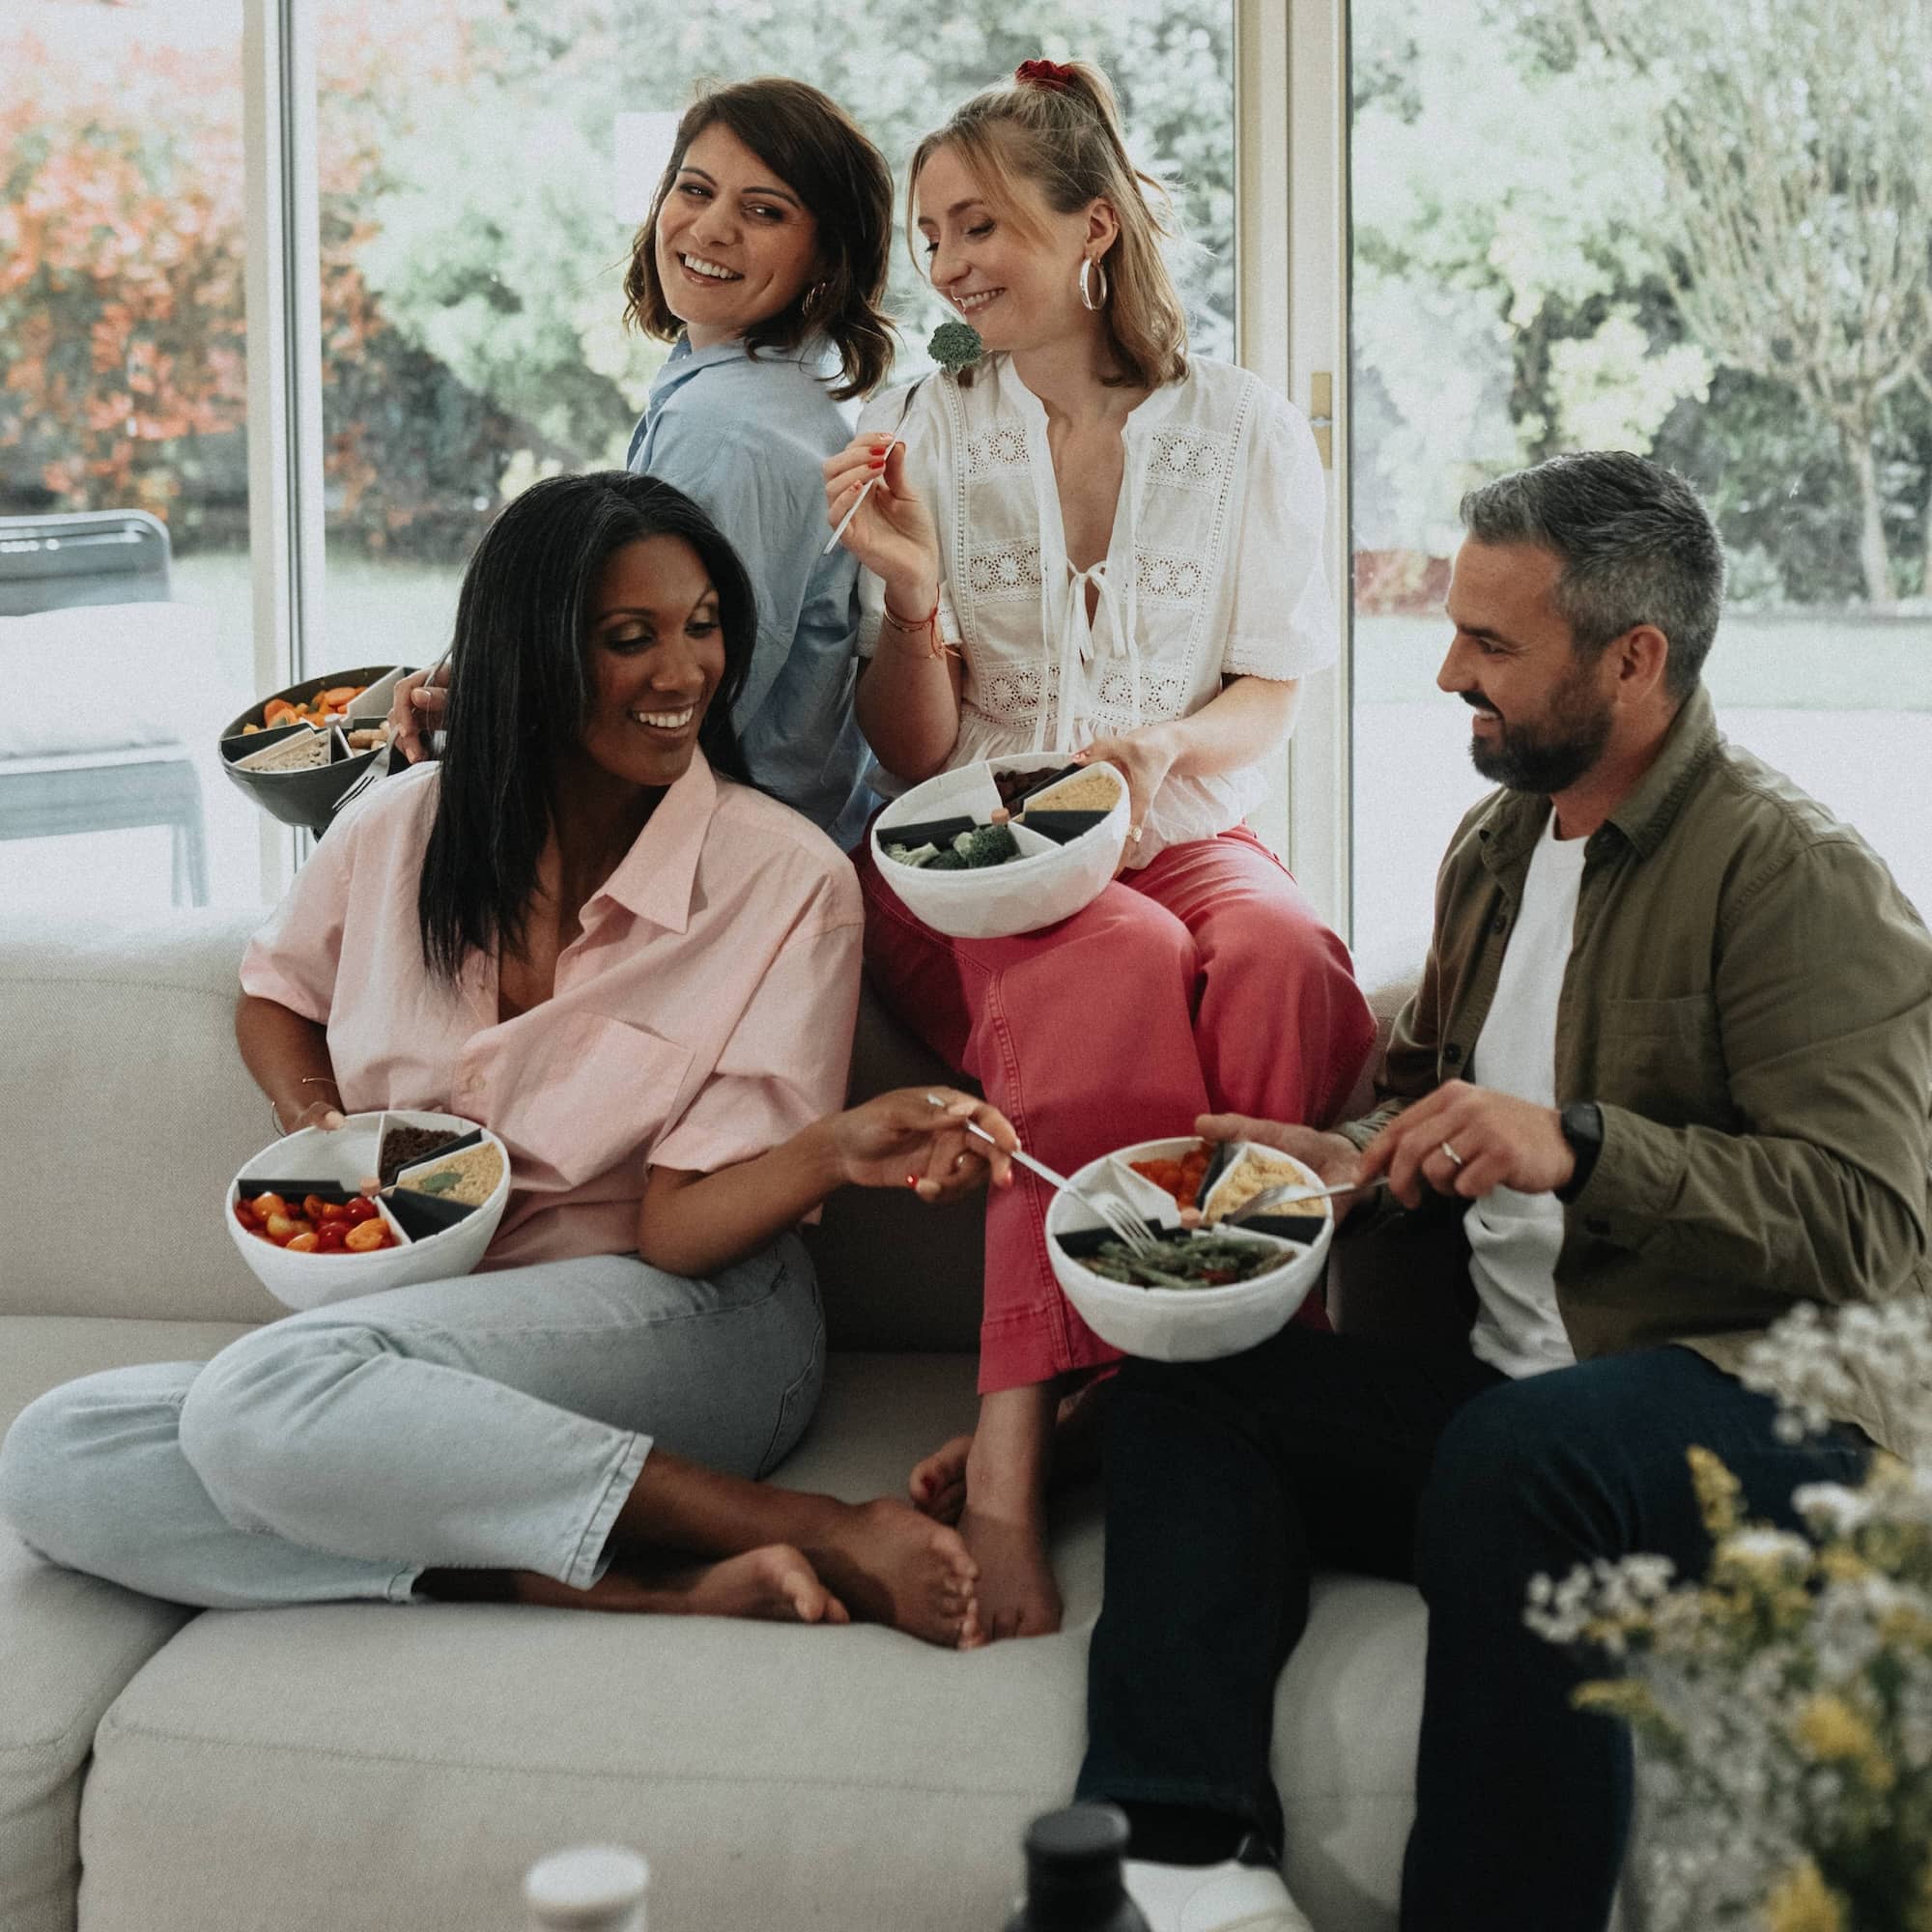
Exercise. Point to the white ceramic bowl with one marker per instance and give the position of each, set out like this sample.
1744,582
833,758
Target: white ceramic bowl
1177,1324
348,1157
1051,882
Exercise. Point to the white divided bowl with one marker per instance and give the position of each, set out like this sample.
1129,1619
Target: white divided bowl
1048,884
1177,1324
349,1156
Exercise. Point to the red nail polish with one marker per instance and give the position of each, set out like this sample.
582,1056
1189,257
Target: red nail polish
912,1181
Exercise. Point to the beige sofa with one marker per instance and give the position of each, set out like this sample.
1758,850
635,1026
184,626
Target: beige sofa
366,1769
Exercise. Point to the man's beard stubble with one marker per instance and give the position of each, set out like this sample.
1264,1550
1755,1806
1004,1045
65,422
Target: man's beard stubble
1551,757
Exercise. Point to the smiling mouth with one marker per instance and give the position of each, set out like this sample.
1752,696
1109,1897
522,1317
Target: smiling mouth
972,304
707,271
665,720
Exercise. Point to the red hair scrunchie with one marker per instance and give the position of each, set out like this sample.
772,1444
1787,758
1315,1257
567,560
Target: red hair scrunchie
1047,74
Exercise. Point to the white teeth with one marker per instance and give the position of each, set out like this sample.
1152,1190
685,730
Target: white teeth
699,266
667,720
979,299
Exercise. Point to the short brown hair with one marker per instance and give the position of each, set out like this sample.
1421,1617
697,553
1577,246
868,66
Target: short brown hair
1066,139
818,151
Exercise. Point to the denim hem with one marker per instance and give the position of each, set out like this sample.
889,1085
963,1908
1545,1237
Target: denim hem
592,1557
1261,1816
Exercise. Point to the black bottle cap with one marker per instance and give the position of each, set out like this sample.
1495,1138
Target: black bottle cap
1077,1849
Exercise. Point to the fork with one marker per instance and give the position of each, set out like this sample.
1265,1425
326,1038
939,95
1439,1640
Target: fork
865,488
1120,1220
1290,1192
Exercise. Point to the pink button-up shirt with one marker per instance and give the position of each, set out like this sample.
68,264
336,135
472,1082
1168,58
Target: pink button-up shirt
704,1015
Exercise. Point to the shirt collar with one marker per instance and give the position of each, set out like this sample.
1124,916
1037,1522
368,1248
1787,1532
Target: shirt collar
814,355
655,878
1646,811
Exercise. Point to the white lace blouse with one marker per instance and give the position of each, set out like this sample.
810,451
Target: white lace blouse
1214,570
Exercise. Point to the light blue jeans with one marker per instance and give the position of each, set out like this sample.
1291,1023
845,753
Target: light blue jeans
494,1422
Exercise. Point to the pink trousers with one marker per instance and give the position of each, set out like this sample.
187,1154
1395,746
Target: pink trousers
1201,984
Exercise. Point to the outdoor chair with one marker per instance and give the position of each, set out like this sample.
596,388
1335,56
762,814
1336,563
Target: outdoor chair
89,557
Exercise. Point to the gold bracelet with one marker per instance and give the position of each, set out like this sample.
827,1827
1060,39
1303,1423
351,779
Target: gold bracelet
927,627
307,1080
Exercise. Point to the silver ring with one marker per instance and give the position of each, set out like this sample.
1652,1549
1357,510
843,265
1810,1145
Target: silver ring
1450,1155
1134,833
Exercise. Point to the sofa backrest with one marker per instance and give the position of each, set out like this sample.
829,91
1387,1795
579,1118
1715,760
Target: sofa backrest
125,1110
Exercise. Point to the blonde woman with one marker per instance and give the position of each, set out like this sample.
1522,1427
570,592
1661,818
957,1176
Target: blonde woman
1089,541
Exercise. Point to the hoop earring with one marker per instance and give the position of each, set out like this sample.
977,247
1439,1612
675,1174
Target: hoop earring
1087,300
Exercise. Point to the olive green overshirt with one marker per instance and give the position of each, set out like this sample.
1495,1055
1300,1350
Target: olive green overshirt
1749,998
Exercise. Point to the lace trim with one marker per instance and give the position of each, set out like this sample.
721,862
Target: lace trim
1169,577
1190,459
1003,571
997,451
1013,694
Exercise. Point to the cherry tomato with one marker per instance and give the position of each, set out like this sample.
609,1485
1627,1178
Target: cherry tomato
284,1227
366,1236
248,1217
266,1205
301,1244
361,1209
314,1206
333,1210
330,1235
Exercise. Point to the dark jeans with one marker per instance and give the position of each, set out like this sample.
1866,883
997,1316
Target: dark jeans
1229,1482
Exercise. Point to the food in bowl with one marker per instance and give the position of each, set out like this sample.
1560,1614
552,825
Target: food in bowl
324,709
1254,1171
468,1178
315,1225
402,1146
969,851
1185,1261
1085,792
1180,1178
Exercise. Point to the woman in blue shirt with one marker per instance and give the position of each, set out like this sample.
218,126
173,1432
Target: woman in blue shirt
763,260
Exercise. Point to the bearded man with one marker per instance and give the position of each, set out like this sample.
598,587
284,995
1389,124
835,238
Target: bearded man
1669,1072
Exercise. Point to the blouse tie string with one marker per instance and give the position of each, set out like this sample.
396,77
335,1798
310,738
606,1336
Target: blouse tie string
1078,645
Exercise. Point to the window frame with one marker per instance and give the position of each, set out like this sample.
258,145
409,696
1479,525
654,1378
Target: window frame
1290,93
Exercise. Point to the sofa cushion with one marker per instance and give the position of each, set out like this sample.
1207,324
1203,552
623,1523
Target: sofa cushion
68,1643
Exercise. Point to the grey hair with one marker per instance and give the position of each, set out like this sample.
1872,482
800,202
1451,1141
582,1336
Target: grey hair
1636,546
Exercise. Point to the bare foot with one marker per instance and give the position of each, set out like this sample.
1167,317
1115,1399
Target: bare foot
890,1565
774,1584
937,1485
1017,1595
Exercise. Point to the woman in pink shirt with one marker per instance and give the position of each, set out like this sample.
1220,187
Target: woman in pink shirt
580,929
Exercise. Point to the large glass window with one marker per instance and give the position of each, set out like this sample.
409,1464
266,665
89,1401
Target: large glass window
1702,232
484,167
125,634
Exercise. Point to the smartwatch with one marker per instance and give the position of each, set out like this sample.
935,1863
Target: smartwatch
1582,1123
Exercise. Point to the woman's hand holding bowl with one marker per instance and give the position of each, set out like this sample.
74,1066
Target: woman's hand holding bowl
899,1141
1145,757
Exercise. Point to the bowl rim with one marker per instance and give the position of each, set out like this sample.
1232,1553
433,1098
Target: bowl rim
408,1246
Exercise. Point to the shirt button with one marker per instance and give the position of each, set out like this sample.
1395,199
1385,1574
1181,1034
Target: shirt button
1501,924
1451,1055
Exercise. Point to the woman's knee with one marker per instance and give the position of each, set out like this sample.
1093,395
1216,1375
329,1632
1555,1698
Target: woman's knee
241,1423
66,1465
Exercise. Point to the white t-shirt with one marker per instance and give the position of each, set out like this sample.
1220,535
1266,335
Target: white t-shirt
1214,570
1514,1239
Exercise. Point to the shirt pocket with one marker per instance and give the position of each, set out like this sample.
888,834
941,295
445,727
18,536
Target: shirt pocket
597,1094
1663,1059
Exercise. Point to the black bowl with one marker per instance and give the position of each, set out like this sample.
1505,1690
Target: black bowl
309,797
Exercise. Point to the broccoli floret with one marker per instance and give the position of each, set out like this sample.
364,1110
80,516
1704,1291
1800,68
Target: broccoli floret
987,845
945,862
956,346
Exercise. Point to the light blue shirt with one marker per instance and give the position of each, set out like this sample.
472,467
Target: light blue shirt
744,438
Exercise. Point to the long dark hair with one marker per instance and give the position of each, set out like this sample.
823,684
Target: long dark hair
520,692
819,152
